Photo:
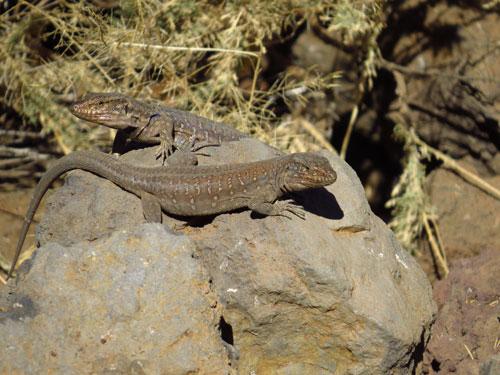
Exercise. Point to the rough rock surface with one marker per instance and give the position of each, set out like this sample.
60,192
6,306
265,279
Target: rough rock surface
491,366
464,337
456,107
333,293
468,217
133,302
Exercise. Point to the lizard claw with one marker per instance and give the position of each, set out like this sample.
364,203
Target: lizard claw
297,211
293,207
164,150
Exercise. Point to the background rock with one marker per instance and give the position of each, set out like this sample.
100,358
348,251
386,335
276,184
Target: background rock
468,217
455,107
333,293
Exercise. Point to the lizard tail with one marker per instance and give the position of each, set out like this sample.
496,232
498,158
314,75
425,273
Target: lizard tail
98,163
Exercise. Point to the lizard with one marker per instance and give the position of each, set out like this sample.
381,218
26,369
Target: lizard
196,190
154,123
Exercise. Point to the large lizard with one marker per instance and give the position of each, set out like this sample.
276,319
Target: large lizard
154,123
196,191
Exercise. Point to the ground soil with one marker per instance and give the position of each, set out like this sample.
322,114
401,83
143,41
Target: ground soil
465,334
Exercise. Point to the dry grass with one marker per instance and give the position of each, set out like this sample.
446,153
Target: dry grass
192,55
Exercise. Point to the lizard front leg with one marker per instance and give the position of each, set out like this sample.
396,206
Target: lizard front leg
166,147
183,154
278,208
161,126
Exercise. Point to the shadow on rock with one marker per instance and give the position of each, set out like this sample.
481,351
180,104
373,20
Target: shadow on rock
320,202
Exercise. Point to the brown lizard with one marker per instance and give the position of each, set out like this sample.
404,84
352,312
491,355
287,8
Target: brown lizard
196,190
154,123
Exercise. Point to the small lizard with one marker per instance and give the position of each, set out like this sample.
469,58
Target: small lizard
196,190
154,123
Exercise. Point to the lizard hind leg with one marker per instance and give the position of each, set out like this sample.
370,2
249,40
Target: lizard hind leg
151,207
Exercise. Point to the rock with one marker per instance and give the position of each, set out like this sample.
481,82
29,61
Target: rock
455,108
468,217
467,320
309,51
134,302
490,367
332,293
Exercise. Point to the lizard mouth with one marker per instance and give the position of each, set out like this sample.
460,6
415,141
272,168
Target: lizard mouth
79,110
318,176
82,111
319,179
310,181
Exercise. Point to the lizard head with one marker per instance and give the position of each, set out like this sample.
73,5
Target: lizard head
305,171
110,109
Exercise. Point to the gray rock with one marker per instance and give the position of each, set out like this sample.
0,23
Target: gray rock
133,302
491,366
333,293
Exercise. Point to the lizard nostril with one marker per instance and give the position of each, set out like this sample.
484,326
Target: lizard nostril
74,108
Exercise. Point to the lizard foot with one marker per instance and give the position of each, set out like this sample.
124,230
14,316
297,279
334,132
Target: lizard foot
291,206
165,149
279,208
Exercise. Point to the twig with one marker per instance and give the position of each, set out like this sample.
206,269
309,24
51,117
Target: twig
21,134
450,163
178,48
347,136
491,5
15,174
468,351
389,65
330,39
464,173
254,83
317,135
7,152
439,239
12,213
294,92
436,251
2,280
13,163
59,139
299,145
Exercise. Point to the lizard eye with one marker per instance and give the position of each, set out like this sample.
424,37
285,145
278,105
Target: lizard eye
298,167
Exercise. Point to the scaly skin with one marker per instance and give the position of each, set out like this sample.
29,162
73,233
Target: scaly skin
196,191
154,123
